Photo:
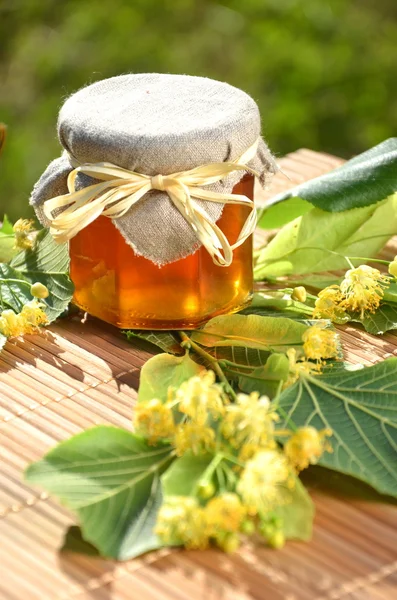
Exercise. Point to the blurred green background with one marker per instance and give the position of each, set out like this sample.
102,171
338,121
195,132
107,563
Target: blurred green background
322,71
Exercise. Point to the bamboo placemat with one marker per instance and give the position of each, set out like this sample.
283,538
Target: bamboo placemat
81,374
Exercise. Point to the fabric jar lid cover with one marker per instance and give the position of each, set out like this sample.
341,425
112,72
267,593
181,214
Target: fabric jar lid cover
156,124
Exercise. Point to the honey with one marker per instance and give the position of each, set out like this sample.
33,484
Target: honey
116,285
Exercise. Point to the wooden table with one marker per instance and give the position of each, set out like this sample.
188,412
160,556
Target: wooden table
79,375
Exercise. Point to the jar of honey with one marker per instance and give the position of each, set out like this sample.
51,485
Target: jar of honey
154,194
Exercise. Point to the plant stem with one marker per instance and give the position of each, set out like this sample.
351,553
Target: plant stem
288,420
375,260
19,281
187,342
228,363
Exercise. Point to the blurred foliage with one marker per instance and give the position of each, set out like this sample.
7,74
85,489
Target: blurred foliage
322,71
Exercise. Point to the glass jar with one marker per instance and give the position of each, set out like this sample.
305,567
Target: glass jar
131,292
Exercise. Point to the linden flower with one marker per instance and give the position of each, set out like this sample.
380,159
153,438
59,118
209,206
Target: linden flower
182,520
298,367
327,305
199,396
32,316
363,289
10,324
249,422
320,343
262,480
24,234
225,512
195,437
27,321
154,420
305,447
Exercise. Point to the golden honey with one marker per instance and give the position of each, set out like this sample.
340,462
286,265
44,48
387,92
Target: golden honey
131,292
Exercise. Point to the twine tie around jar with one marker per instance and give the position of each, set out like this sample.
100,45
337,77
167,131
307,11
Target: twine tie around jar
120,189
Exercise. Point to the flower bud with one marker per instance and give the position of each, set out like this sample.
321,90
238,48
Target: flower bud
247,527
277,540
299,294
206,490
38,290
393,267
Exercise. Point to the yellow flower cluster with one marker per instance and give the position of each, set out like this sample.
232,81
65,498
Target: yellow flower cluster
198,399
262,481
154,420
306,445
297,366
27,321
320,343
24,234
254,471
248,424
361,291
181,520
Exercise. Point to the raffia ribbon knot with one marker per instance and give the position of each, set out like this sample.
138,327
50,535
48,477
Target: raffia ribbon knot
120,189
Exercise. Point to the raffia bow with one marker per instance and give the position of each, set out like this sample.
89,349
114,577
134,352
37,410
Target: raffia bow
121,189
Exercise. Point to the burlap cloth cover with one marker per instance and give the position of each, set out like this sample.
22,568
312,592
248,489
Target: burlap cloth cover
156,124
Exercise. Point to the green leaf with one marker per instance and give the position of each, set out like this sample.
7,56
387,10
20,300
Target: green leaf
320,240
360,407
7,250
362,181
184,474
279,300
240,354
13,294
6,226
163,371
390,294
297,514
111,479
165,340
7,240
251,331
316,281
266,379
47,263
384,319
278,214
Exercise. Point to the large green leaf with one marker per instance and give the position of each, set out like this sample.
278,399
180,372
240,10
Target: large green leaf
162,372
251,331
47,263
363,180
297,513
280,213
165,340
360,407
241,355
320,240
266,379
184,474
111,479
